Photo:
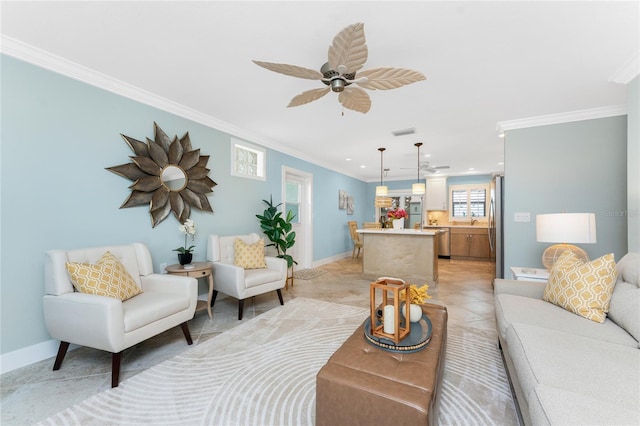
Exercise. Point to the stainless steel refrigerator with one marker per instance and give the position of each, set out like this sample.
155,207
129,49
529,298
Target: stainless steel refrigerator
496,223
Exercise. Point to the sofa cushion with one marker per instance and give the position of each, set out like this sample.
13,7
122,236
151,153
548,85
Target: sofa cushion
249,256
583,288
625,300
256,277
593,368
549,406
511,309
150,307
108,277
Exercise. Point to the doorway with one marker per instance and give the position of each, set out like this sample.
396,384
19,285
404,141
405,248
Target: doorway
297,190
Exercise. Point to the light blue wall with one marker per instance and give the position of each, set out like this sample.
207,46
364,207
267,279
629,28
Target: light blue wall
468,180
58,135
572,167
330,230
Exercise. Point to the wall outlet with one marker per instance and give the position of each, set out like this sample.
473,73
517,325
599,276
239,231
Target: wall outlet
522,217
163,267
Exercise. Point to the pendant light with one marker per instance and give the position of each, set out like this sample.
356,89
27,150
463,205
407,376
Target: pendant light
381,189
418,188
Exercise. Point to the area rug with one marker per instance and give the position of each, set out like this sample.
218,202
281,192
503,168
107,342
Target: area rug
308,274
263,372
476,389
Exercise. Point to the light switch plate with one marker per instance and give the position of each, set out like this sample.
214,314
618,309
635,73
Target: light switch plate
522,217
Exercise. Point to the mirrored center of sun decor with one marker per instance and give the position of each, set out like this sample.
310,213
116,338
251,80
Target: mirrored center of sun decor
169,175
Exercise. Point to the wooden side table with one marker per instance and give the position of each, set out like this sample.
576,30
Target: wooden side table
199,270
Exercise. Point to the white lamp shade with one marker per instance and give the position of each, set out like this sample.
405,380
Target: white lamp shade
566,228
381,190
418,188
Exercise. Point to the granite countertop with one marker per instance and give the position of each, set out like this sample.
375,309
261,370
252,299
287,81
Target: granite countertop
397,231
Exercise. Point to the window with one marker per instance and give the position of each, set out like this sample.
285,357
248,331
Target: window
468,201
247,160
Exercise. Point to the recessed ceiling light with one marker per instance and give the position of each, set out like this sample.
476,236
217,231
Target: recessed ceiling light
363,166
500,164
427,155
501,135
347,159
470,169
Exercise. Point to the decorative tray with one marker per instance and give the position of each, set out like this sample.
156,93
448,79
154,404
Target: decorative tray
418,338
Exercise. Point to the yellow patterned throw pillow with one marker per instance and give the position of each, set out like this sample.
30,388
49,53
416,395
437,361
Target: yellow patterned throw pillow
583,288
108,277
249,256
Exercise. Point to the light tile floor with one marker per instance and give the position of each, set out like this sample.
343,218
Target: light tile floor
33,393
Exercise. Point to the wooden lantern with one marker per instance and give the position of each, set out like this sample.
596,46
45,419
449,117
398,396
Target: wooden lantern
393,325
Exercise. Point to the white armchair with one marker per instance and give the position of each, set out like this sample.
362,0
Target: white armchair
108,323
242,283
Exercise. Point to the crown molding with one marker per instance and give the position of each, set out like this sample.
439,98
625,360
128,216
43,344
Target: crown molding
564,117
41,58
629,71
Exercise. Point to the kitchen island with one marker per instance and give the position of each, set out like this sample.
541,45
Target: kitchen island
408,254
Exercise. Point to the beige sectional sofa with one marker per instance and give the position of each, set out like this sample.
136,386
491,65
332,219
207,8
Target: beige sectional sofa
566,369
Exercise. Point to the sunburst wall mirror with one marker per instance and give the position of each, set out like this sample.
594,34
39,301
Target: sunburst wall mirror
169,175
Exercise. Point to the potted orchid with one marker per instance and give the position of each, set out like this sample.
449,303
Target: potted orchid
397,217
185,254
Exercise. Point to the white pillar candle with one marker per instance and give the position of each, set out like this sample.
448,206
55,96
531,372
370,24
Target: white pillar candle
389,320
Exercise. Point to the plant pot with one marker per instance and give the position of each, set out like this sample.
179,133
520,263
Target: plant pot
185,258
398,223
415,312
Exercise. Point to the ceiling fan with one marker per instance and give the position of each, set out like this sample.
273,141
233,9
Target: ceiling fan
347,54
426,167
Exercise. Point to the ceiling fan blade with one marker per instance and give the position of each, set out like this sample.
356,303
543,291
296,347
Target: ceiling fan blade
355,99
308,96
435,169
348,52
385,78
291,70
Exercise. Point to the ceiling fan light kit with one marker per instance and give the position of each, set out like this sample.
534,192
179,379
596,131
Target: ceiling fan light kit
347,54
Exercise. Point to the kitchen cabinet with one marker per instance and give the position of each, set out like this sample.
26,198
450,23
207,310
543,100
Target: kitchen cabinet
470,242
436,194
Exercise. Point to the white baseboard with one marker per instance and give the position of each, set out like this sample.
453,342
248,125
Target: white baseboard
30,355
326,260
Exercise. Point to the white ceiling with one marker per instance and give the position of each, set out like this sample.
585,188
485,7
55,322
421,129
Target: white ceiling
485,62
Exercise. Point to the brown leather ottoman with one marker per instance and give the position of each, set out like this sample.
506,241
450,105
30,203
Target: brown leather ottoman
365,385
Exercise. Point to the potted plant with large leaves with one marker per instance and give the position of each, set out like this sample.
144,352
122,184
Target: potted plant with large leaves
278,229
